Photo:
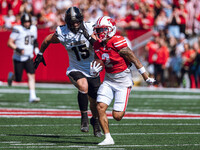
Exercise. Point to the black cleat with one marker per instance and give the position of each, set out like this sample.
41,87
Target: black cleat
96,127
10,78
84,122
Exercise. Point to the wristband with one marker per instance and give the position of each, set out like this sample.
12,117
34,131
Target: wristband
37,50
142,70
18,50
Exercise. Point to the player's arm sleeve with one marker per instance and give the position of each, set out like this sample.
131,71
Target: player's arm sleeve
120,43
13,36
88,33
58,33
35,43
15,33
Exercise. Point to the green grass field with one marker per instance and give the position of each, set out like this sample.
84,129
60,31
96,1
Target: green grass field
136,133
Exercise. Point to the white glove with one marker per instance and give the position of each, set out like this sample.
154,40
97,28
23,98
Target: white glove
150,80
95,69
37,51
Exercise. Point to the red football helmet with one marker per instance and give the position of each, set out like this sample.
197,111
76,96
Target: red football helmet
104,28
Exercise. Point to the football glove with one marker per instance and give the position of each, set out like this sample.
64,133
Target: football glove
19,51
39,58
95,69
84,31
150,80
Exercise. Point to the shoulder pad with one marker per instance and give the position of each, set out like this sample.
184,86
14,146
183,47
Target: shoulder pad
15,30
34,27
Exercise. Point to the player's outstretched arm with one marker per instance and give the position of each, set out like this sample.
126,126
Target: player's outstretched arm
84,31
128,54
51,38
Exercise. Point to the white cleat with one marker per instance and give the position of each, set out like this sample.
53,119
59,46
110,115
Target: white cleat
108,141
34,100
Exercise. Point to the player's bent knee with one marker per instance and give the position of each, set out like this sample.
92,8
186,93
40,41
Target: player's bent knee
82,85
118,115
117,118
101,107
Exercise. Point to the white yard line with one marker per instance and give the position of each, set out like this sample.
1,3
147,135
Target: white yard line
165,96
35,144
124,124
121,134
99,147
26,91
10,142
70,86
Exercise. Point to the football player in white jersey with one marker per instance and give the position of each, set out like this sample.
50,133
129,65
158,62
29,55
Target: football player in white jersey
75,37
23,40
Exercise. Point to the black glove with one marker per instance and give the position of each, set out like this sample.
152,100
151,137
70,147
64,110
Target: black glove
39,58
83,31
18,50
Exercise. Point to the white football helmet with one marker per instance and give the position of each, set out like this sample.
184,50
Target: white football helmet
104,28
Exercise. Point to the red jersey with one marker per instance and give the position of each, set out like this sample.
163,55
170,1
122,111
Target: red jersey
4,7
186,55
182,17
152,47
114,63
162,55
16,6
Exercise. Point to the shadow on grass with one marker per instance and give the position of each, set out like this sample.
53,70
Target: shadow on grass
67,139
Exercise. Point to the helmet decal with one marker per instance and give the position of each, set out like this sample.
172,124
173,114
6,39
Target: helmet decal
73,15
111,21
26,18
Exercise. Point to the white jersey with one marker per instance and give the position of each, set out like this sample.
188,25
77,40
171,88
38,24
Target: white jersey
24,39
79,50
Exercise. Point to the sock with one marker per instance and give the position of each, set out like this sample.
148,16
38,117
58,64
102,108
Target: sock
107,135
32,94
83,101
84,116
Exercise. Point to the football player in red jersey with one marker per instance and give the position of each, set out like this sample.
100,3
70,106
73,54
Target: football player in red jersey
117,58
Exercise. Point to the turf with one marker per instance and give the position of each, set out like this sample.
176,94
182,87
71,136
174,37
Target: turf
23,133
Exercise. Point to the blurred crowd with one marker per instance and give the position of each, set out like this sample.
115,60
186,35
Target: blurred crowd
179,15
174,62
174,23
